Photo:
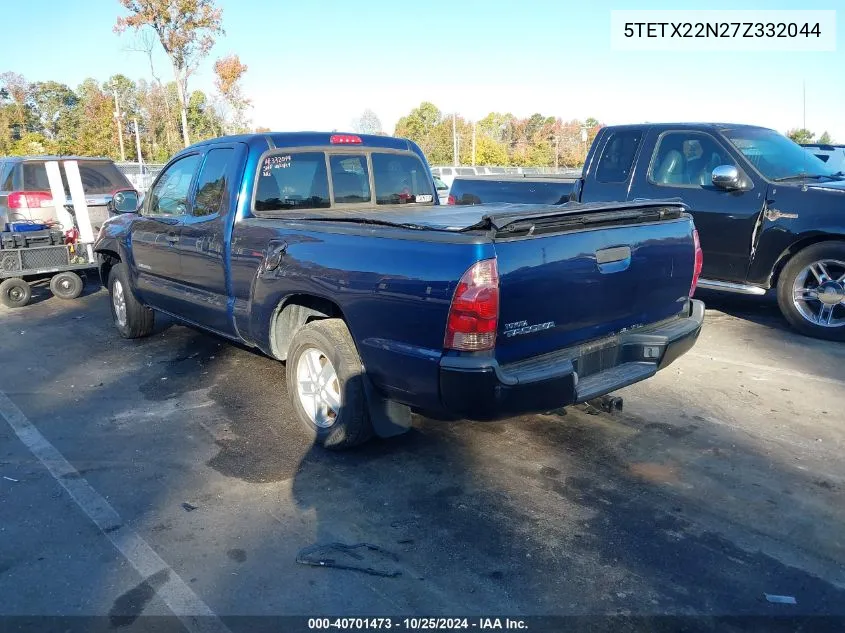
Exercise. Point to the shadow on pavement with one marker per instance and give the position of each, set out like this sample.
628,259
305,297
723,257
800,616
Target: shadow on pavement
573,514
761,310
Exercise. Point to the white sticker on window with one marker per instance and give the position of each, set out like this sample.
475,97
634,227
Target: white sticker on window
424,198
274,162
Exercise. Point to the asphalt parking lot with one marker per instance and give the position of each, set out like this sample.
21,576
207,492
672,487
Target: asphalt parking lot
720,482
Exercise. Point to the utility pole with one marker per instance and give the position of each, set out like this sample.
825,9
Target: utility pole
804,92
119,126
584,141
557,151
454,139
473,144
138,143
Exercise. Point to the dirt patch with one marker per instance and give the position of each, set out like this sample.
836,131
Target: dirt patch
655,473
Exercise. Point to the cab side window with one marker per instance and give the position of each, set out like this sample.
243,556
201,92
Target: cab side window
213,184
617,158
687,159
170,194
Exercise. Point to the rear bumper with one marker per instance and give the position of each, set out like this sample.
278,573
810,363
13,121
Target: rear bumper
481,389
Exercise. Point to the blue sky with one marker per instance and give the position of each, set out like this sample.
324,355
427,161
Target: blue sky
318,64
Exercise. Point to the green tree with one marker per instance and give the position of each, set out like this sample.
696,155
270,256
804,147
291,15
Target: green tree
186,30
801,135
33,143
89,128
203,121
540,154
162,120
439,147
124,92
533,125
489,151
425,126
420,122
16,115
824,139
51,101
495,126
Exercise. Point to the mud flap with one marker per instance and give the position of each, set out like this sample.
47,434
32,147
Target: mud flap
388,418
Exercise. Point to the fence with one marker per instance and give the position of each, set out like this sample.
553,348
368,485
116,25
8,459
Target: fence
467,170
141,175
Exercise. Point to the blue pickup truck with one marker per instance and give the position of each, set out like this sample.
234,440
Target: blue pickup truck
770,213
330,252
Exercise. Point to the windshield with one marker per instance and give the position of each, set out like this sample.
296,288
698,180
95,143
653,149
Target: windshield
775,156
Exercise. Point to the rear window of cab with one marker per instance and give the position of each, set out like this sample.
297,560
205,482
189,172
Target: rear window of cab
321,180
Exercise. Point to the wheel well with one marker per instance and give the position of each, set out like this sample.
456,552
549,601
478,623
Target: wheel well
794,249
295,312
107,260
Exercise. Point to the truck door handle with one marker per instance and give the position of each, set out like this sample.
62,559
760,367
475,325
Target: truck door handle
172,238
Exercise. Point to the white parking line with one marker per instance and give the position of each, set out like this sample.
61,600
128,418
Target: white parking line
195,615
770,369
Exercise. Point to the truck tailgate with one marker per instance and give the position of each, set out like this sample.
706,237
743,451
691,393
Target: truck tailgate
566,283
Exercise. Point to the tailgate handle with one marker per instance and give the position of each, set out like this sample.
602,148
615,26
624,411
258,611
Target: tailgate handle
613,260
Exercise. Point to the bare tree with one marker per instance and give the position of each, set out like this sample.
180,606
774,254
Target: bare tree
145,43
367,123
186,30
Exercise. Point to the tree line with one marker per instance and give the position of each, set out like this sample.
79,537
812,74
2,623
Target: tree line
105,119
803,135
52,118
498,139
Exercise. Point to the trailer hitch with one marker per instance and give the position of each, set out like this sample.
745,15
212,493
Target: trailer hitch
608,404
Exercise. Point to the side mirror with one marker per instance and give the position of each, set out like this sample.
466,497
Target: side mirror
123,201
726,177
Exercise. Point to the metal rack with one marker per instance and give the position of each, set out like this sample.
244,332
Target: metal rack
44,260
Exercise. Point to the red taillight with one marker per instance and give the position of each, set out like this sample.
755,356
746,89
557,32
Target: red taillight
699,262
30,199
474,313
345,139
451,200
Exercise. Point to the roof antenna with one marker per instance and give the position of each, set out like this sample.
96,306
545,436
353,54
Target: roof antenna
804,93
803,131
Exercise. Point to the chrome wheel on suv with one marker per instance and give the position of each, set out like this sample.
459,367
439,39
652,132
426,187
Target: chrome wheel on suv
811,291
818,293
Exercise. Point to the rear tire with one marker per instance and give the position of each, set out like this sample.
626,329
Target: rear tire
325,383
66,285
817,270
131,318
15,293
